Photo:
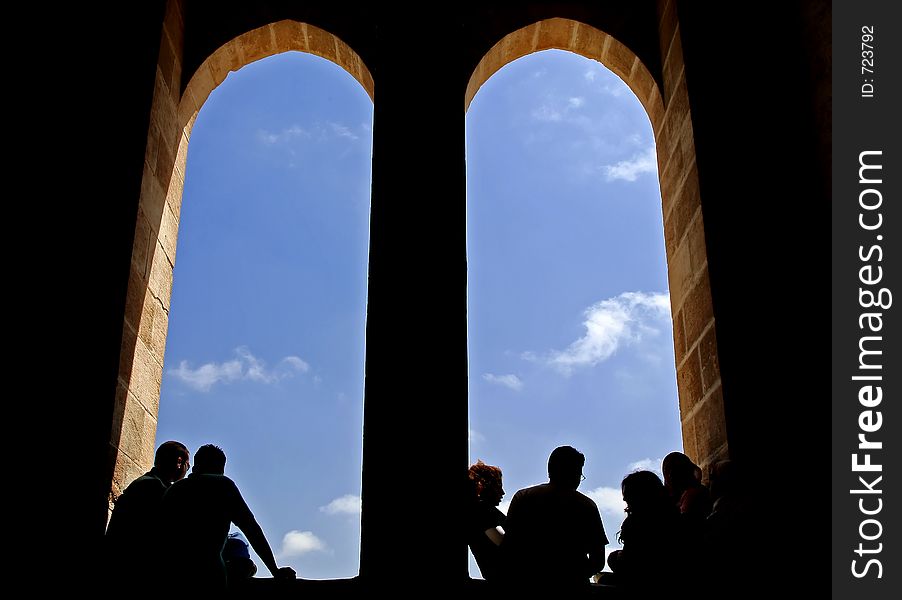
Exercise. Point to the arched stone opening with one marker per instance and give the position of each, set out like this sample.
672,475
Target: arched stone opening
695,346
173,113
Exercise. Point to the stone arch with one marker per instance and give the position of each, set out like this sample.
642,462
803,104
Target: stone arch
173,113
702,417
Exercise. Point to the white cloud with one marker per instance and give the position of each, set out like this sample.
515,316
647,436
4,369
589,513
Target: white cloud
610,323
475,436
289,133
547,113
343,131
647,464
348,504
246,367
296,543
576,102
609,500
295,362
590,75
509,381
629,170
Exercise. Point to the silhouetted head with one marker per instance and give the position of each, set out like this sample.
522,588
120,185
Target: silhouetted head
679,472
643,491
209,459
172,460
487,479
565,466
724,479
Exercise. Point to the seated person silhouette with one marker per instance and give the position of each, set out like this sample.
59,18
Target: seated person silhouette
682,478
485,522
731,537
133,534
554,537
650,535
237,559
197,513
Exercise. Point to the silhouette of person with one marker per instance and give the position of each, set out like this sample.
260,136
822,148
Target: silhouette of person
553,535
197,513
133,535
484,519
650,535
682,478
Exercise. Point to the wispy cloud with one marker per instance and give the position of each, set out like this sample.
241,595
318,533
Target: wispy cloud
296,543
590,75
343,131
609,500
648,464
289,133
547,113
475,436
348,504
609,324
509,381
317,131
576,102
629,170
246,367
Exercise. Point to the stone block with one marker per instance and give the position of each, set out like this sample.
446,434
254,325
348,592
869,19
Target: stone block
698,311
160,280
260,43
321,43
148,314
655,109
224,61
146,378
667,25
125,471
698,252
707,355
676,107
554,33
288,35
673,174
619,59
690,446
673,66
689,382
679,337
168,235
131,439
127,352
679,275
589,41
685,207
642,84
141,245
346,58
711,432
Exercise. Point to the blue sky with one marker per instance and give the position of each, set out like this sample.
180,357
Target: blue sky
569,322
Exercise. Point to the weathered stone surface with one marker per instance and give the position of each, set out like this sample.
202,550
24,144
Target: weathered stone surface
679,275
147,375
690,446
707,354
619,59
697,309
589,42
697,250
141,244
667,24
679,337
321,43
686,205
260,43
673,65
160,280
288,35
710,429
224,61
554,33
689,381
131,439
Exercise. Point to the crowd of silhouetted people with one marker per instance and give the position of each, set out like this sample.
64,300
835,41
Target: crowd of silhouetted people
165,522
675,531
679,536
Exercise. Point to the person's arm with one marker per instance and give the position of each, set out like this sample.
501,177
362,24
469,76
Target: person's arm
244,519
597,540
495,534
